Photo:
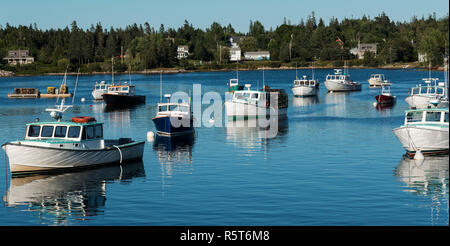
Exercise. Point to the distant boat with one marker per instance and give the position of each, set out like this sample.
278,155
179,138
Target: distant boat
305,87
122,95
421,96
256,103
99,89
234,85
51,146
424,130
385,97
173,119
341,82
377,80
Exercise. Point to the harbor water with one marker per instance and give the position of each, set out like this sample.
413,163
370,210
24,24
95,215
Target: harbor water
333,162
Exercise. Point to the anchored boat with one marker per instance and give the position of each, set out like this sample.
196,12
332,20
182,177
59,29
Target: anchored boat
173,118
385,97
377,80
341,82
422,95
424,130
305,87
256,103
66,145
99,89
122,95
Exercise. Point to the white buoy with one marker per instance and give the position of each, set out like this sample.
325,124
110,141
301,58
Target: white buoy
418,155
375,104
150,136
82,99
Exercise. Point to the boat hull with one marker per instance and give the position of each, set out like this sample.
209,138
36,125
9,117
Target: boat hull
336,86
123,100
173,126
427,139
245,110
304,91
384,99
24,159
98,94
419,101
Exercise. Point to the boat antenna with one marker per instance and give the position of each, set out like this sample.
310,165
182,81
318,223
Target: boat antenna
76,84
312,70
112,70
263,78
296,77
129,72
160,86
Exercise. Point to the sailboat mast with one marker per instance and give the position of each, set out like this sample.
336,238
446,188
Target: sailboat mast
112,70
160,86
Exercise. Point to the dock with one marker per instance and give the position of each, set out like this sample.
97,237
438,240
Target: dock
56,95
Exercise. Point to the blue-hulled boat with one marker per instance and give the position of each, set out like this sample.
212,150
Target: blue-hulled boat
173,119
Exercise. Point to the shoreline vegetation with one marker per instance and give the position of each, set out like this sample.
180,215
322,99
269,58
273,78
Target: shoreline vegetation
143,49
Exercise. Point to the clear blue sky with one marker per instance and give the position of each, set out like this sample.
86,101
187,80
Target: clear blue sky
201,13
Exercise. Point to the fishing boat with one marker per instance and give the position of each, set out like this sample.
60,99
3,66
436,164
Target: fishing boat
122,95
424,130
305,87
377,80
385,97
341,82
249,103
99,89
421,96
234,85
173,118
52,146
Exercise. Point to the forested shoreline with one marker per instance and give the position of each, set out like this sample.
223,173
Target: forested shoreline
143,48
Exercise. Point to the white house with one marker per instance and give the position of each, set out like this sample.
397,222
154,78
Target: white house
235,54
182,51
422,57
19,57
257,55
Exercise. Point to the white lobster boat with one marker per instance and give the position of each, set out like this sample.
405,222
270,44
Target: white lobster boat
422,96
424,130
377,80
256,103
341,82
66,145
305,87
99,89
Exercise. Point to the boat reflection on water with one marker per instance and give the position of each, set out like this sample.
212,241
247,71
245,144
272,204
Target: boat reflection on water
249,135
427,178
305,101
174,152
82,194
384,107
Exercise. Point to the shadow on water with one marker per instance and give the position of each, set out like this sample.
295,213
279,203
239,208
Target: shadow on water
58,198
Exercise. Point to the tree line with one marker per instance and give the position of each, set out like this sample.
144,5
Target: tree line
141,47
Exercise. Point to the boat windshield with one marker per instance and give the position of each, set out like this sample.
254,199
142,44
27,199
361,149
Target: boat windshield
178,108
414,116
246,95
446,117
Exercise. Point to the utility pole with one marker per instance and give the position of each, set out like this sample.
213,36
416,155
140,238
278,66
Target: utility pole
290,47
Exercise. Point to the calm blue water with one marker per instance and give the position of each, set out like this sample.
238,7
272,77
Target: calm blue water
335,161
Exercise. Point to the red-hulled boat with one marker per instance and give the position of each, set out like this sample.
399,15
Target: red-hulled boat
385,97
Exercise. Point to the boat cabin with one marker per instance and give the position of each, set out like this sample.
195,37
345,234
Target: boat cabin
121,89
304,82
101,86
338,76
427,116
168,108
428,89
377,77
72,131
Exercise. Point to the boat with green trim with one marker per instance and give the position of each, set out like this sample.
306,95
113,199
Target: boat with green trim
424,130
65,145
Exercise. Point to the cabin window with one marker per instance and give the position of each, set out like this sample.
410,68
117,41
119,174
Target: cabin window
162,108
74,132
90,132
47,131
98,131
255,95
33,131
433,116
60,131
414,116
446,117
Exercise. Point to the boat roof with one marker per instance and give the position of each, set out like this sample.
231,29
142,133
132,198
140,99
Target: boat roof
427,109
170,103
67,123
121,86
